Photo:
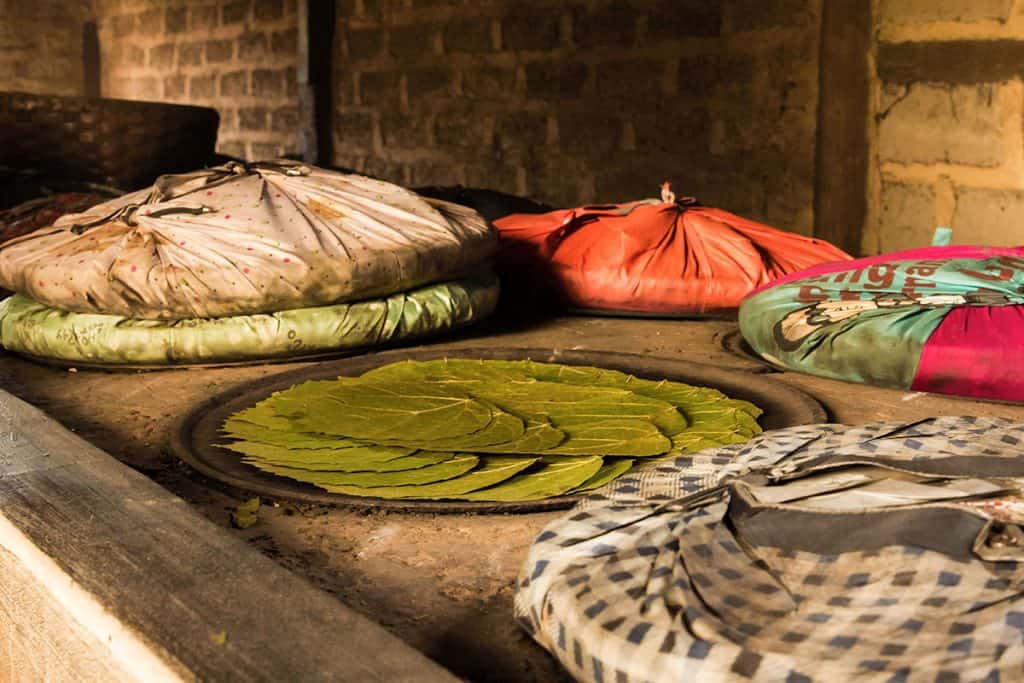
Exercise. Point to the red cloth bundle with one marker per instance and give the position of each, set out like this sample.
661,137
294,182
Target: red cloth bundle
670,258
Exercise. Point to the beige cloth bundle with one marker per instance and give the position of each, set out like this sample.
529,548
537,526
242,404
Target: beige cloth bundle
244,239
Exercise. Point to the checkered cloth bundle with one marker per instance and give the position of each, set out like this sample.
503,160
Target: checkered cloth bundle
886,552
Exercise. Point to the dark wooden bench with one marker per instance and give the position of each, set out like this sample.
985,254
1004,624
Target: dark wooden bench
104,575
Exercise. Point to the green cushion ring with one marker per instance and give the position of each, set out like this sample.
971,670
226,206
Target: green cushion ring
34,329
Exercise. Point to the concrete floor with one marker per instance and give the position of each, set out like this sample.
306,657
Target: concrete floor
442,582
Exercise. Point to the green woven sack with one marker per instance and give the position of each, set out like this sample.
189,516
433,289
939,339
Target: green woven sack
33,329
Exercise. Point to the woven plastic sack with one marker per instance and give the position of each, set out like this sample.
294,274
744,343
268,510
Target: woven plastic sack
940,319
36,330
888,552
240,239
656,257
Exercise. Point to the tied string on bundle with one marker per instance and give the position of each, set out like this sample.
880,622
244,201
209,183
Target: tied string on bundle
669,197
175,186
587,215
127,215
576,220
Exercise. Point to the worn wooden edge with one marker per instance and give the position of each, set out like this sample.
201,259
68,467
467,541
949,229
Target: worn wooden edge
194,437
33,621
128,649
172,596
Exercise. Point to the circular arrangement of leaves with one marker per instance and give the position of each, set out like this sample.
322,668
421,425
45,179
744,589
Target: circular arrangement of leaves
480,430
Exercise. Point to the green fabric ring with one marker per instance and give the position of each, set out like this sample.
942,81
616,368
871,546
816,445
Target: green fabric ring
37,330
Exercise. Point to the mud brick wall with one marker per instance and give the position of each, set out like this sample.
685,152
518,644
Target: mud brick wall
238,56
948,124
41,46
576,102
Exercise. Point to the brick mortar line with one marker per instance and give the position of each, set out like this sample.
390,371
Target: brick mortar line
952,31
1010,176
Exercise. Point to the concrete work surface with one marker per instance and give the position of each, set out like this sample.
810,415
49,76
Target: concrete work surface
443,583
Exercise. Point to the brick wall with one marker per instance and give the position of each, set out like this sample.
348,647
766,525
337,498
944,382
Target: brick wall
575,101
238,56
569,101
582,101
949,123
41,46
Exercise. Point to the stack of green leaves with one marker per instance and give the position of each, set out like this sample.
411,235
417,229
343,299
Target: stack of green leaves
480,430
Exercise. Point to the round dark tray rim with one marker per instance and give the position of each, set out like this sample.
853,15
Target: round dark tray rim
194,435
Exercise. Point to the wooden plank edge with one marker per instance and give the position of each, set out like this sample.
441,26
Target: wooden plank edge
151,577
136,657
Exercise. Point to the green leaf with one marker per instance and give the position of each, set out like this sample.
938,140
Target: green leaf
613,468
634,438
596,420
506,433
246,514
555,477
529,381
714,418
359,459
375,411
539,437
392,432
504,428
491,471
724,415
453,466
692,443
262,414
287,438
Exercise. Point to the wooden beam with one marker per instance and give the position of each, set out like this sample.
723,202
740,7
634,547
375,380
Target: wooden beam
315,77
307,134
841,178
91,59
166,593
323,19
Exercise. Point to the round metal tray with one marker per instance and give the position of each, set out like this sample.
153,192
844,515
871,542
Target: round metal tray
734,343
195,437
